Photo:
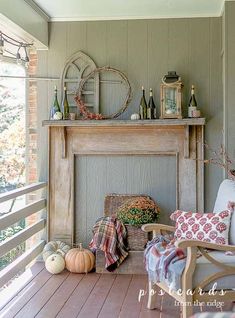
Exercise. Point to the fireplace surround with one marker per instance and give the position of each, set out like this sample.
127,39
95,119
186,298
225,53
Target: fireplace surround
181,139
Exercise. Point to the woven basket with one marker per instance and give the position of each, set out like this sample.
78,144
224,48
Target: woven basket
136,238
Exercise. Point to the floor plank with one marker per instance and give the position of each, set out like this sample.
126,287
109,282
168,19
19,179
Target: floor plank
7,294
228,306
113,303
42,296
169,307
57,301
153,313
96,299
79,296
18,302
131,306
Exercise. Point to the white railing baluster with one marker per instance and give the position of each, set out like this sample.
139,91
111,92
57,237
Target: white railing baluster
21,191
21,262
11,218
21,237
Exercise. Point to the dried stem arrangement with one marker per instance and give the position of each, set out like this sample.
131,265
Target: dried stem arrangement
220,158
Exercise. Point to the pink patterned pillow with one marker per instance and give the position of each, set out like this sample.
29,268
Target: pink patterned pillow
207,227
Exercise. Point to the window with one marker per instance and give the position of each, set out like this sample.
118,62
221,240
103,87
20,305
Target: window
12,147
12,126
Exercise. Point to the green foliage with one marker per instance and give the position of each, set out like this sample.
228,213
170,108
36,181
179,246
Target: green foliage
137,217
15,252
12,145
138,211
12,127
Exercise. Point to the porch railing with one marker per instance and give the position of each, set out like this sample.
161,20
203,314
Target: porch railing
11,218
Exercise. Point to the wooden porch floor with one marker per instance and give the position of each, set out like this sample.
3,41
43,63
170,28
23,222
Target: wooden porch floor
39,294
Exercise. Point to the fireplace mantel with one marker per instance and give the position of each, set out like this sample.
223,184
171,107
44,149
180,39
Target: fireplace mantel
69,141
125,123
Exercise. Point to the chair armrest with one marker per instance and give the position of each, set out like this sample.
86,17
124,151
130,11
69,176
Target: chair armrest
157,227
212,246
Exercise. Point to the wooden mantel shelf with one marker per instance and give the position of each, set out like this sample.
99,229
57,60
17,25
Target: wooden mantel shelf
124,123
185,123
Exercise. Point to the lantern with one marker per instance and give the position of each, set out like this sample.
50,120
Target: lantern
171,96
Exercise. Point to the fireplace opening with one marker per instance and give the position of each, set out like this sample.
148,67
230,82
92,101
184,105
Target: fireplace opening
98,175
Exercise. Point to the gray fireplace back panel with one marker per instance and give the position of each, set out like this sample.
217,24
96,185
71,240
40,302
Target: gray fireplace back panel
98,175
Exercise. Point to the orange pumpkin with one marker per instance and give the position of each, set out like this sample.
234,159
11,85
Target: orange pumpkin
79,260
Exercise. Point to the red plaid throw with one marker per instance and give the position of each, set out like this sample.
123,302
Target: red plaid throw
109,235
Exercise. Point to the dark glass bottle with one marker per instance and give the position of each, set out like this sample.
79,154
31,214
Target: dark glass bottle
151,109
192,103
143,106
55,107
65,105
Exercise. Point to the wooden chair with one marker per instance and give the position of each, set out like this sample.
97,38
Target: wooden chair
204,271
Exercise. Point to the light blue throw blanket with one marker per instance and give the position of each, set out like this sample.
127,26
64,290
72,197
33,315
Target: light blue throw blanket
165,262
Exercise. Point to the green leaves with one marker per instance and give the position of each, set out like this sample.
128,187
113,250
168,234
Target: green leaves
137,216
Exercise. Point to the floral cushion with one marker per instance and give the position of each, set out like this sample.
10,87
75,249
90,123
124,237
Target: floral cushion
207,227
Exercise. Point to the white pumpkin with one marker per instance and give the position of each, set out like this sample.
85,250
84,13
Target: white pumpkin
57,247
135,116
55,264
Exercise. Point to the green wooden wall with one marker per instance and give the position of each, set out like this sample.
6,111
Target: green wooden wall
229,76
144,50
152,175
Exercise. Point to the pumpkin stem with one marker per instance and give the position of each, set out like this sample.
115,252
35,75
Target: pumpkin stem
80,247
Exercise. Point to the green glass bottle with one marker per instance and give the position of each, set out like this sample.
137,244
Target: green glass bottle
143,106
192,102
151,109
55,107
65,105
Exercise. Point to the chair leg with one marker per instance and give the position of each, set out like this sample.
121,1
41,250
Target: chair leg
187,308
152,295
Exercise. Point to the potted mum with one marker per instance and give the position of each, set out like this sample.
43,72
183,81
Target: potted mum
134,213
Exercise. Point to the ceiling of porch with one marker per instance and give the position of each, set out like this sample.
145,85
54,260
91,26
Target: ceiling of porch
78,10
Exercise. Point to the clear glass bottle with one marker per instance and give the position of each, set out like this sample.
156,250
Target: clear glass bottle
55,107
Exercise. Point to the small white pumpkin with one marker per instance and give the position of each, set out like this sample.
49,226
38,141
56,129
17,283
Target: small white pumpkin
58,116
57,247
55,264
135,116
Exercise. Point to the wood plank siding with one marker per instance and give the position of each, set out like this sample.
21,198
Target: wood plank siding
144,50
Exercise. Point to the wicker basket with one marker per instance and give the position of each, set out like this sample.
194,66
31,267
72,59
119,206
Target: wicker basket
113,201
136,238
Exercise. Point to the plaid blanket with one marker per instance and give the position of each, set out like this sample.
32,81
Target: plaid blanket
164,262
109,235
